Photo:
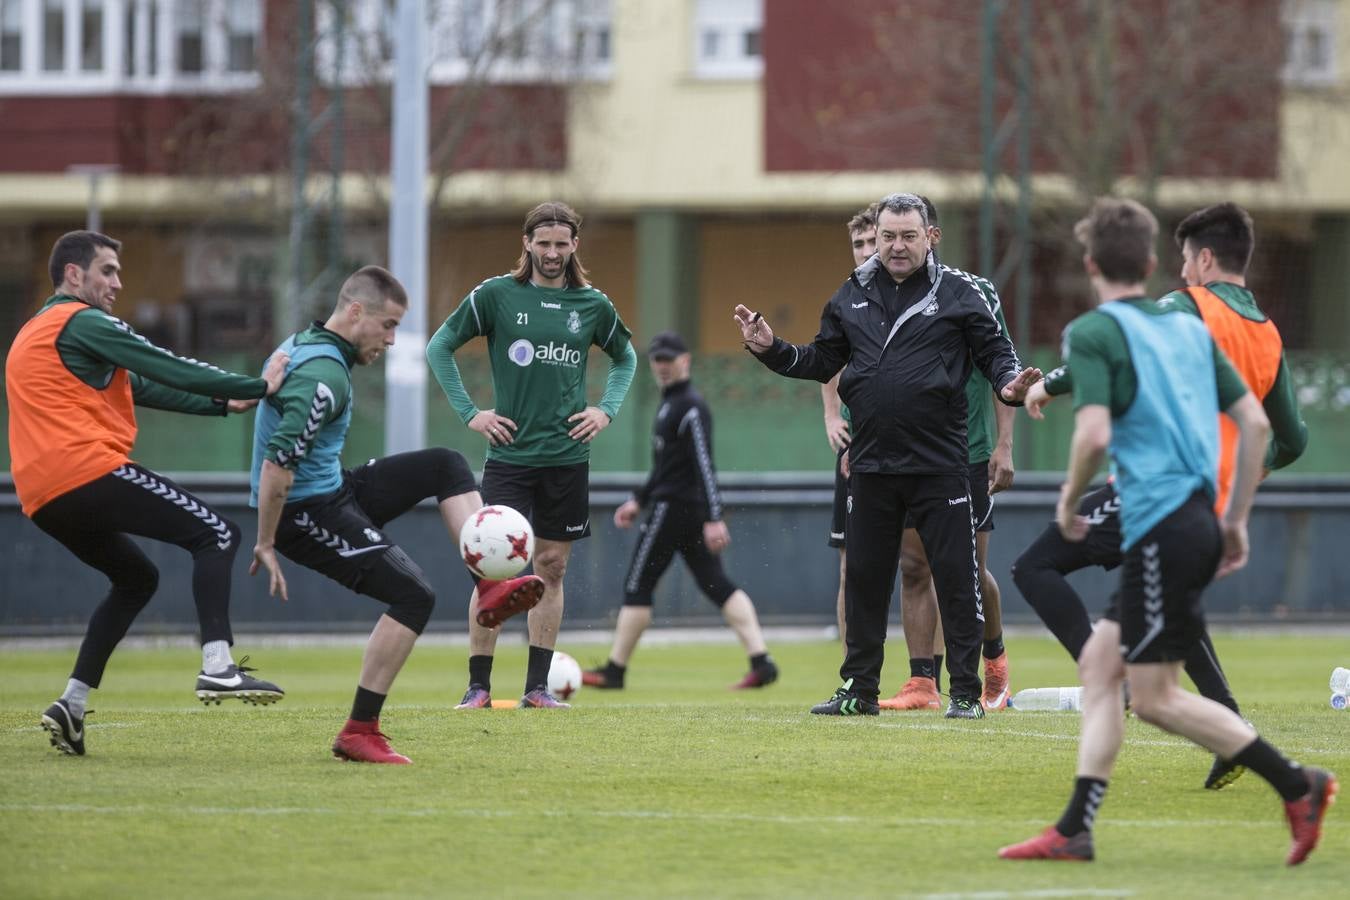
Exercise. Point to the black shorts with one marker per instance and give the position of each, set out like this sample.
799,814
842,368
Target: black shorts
1164,574
670,528
556,499
341,534
839,515
1102,510
981,503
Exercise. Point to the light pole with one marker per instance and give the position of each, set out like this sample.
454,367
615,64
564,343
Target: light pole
93,218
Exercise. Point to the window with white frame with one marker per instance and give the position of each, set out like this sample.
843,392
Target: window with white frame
495,40
11,35
157,46
727,39
1310,42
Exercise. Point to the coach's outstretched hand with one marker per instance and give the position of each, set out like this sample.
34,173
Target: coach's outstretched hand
755,332
1015,391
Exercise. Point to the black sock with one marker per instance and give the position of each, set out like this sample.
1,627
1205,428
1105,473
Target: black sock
993,647
760,661
614,671
536,671
367,705
1082,809
1285,776
1202,665
480,671
937,671
921,667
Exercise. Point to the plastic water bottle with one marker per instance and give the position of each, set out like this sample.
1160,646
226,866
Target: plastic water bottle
1340,681
1339,701
1062,699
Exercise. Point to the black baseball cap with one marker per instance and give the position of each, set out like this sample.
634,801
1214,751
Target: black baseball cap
666,345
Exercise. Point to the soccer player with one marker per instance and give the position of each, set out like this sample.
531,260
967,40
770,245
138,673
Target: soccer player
906,336
1216,247
685,515
539,321
331,520
1149,382
989,440
862,238
74,376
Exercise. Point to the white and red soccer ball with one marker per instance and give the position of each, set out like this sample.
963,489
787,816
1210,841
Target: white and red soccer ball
496,542
564,676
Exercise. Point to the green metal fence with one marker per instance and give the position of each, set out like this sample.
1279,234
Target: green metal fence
761,421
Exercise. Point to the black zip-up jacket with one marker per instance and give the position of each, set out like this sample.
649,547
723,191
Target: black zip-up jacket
904,372
682,465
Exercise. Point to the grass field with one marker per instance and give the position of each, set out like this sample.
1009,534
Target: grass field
674,787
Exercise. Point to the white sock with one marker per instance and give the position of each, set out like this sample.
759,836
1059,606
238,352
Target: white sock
216,657
76,696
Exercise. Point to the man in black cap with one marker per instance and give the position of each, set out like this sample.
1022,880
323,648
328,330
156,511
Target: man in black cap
684,515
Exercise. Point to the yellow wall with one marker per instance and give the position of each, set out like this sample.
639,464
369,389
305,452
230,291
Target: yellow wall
783,269
464,254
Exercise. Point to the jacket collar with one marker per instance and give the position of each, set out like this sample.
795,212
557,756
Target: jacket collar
867,272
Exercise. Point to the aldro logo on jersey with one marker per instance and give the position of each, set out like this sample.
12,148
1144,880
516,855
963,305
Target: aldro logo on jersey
523,353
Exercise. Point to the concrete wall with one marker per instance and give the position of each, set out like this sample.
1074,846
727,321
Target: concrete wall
778,555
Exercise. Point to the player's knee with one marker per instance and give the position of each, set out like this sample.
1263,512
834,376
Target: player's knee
405,588
551,566
453,475
914,571
134,586
719,593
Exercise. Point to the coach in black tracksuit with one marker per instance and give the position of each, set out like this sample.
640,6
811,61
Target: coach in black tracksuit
905,337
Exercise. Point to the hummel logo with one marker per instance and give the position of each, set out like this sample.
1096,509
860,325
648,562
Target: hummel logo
546,305
958,501
861,305
355,551
572,529
233,681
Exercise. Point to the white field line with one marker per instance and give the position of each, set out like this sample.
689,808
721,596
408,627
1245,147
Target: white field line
1177,743
629,815
1046,892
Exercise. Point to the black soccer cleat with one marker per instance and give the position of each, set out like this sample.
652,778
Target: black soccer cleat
65,728
602,677
236,682
847,702
964,708
1223,773
760,676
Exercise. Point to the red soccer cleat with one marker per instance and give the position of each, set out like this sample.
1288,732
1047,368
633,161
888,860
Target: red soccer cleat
500,600
760,677
363,742
996,687
917,693
1050,844
597,678
1306,813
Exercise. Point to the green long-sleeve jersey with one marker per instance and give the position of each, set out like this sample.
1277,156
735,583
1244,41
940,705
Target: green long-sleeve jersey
1289,434
539,340
94,344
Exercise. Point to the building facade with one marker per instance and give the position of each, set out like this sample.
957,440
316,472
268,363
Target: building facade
715,148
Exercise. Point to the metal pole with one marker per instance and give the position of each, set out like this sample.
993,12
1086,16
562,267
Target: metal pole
988,140
405,380
288,310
